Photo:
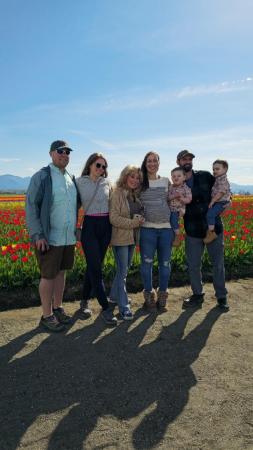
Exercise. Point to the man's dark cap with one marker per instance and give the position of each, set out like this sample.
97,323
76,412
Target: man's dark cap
63,145
184,153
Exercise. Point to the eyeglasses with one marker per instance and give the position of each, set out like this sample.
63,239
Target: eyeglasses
60,151
99,166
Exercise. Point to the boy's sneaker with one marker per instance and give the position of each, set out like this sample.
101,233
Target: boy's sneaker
108,317
177,241
127,315
210,237
61,316
51,323
84,311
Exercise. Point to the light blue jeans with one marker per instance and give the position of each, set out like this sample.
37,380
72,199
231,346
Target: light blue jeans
154,240
123,257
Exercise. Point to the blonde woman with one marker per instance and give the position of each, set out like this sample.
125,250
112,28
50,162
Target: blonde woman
126,217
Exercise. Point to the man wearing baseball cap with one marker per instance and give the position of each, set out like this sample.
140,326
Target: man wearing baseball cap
195,224
51,216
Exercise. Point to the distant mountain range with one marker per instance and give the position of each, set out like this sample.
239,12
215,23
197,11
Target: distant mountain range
12,183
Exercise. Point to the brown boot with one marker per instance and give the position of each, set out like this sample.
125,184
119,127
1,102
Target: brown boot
210,237
162,297
177,241
149,297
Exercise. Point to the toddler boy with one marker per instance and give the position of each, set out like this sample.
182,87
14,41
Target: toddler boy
179,195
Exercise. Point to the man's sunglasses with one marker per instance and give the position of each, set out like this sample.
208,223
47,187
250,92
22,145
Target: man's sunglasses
60,151
99,166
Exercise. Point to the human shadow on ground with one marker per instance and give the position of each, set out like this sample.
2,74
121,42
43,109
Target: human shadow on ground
94,375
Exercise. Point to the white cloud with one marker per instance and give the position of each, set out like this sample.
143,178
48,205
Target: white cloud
233,144
137,101
8,160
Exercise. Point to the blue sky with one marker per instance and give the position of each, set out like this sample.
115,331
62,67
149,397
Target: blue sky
123,77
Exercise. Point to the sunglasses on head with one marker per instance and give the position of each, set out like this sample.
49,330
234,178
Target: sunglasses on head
99,166
61,151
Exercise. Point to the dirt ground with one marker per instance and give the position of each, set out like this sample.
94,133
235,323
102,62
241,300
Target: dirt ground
177,380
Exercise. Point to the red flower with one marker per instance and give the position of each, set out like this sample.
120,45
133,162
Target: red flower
14,257
24,259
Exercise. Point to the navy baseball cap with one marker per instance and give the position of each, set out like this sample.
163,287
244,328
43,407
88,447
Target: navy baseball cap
59,145
184,153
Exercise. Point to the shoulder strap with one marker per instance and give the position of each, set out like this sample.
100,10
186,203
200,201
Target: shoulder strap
94,194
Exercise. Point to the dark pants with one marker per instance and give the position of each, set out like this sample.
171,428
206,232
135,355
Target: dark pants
194,249
95,238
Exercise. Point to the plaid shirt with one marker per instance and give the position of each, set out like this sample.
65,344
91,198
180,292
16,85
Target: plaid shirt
195,215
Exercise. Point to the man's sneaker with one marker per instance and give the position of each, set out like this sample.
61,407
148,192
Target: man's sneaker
61,316
84,312
127,315
223,304
108,317
194,301
51,323
210,237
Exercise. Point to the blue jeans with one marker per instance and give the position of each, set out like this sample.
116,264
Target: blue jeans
174,220
123,257
154,240
216,209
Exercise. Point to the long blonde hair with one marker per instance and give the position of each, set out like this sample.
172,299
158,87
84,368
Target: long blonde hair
128,170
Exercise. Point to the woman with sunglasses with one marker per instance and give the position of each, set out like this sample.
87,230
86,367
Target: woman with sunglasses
94,189
126,217
156,235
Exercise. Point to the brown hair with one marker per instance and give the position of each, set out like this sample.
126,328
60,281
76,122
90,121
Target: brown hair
176,169
223,162
93,158
145,182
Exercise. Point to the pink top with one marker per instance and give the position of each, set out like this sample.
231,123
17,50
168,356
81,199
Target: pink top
175,204
221,184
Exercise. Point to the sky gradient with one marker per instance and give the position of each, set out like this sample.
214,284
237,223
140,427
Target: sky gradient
123,77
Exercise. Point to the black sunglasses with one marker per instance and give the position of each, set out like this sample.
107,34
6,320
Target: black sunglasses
60,151
98,166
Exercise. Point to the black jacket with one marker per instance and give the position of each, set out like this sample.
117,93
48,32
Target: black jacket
195,215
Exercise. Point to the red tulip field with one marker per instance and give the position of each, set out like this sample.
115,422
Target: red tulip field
18,266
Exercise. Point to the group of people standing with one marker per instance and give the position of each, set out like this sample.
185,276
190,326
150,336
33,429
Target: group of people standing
142,208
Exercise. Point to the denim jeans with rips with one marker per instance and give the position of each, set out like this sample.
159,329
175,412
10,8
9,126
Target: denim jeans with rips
154,240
